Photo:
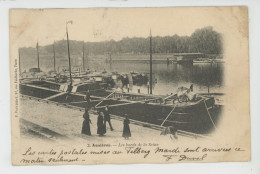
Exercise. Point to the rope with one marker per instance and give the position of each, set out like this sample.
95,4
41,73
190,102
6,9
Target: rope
210,115
168,115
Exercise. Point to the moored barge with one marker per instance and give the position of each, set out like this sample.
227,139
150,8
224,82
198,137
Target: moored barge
192,116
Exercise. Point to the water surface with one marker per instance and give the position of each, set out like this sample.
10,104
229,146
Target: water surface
203,76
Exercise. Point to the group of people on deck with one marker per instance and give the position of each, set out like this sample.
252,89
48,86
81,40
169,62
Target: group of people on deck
102,119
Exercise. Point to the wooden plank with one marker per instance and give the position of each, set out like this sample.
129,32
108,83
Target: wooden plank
105,98
142,95
129,102
78,102
169,96
34,86
121,104
174,121
210,115
53,96
86,101
168,115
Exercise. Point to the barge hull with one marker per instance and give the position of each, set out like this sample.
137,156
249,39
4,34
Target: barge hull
192,118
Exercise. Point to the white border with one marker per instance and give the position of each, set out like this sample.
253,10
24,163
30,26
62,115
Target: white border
5,123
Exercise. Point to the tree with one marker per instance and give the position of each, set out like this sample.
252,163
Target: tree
206,40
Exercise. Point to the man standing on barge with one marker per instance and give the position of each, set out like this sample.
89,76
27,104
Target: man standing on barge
107,117
87,98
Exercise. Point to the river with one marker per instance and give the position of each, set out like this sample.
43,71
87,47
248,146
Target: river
203,76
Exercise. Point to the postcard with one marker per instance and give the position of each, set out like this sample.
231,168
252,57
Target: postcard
129,85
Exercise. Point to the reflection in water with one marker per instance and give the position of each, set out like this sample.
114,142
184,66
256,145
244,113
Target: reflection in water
170,77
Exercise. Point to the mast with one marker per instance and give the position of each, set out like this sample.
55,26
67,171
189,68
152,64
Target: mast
83,57
38,57
151,63
54,68
68,51
110,61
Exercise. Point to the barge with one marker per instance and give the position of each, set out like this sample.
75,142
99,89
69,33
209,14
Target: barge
193,116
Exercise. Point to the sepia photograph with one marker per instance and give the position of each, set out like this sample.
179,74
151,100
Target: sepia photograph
129,85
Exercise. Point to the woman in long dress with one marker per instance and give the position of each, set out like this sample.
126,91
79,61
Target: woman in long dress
86,123
126,129
101,129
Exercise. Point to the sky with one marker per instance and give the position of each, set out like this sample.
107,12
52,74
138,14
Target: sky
99,24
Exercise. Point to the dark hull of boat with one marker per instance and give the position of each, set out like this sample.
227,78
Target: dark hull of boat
193,118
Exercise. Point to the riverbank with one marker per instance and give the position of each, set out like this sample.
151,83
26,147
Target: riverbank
68,122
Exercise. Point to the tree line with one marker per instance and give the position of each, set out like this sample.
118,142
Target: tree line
204,40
